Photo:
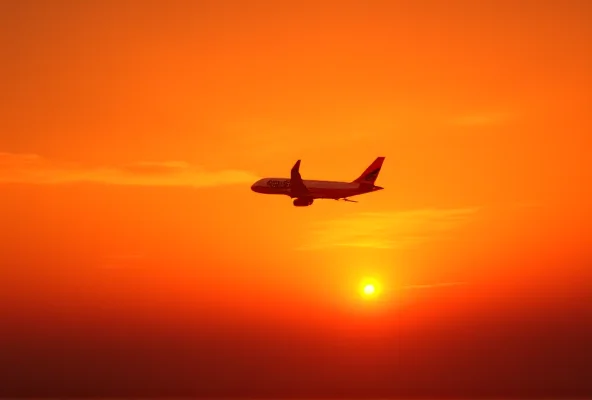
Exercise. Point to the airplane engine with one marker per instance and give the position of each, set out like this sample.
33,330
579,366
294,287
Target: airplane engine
303,202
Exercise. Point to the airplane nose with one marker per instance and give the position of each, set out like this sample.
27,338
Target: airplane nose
254,187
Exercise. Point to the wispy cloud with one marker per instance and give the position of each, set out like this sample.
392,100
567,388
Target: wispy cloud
118,261
31,168
434,285
480,119
387,230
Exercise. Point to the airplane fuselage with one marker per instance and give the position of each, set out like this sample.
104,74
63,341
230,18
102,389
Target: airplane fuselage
318,189
304,192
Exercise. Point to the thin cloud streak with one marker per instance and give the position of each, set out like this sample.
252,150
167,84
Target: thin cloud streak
33,169
434,285
387,230
120,261
482,119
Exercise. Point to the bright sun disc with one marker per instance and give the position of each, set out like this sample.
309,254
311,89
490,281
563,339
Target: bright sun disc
369,289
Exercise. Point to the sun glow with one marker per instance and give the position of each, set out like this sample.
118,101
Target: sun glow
370,288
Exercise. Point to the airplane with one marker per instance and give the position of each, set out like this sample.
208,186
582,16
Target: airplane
304,192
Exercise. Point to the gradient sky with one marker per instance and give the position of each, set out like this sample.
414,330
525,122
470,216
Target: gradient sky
135,260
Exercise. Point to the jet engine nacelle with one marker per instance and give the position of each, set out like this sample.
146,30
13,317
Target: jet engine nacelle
303,202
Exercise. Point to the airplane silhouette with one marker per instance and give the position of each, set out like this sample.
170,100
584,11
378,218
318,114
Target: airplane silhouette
304,192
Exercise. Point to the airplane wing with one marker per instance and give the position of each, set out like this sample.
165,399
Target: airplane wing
297,187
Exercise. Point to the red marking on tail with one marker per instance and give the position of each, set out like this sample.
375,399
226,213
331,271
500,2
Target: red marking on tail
371,173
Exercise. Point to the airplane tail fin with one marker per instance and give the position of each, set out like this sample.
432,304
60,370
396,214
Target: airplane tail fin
371,173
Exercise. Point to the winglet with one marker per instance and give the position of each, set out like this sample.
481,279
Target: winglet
295,173
297,186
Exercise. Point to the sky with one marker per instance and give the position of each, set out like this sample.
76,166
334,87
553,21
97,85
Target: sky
135,260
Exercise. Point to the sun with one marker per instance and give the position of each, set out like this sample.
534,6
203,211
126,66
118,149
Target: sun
370,288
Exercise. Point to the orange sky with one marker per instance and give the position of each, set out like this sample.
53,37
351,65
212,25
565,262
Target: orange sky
131,132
